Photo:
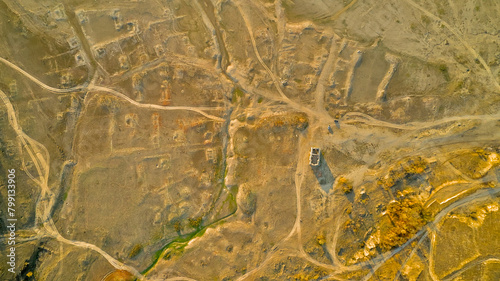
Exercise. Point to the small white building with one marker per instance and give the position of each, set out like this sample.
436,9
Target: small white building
314,156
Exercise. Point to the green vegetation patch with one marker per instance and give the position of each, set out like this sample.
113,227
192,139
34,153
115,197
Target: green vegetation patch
238,94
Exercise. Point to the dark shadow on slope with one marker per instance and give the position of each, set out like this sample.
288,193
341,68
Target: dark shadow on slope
323,174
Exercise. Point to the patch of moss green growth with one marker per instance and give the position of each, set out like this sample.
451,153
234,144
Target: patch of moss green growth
443,68
229,203
175,250
242,118
425,19
457,85
237,95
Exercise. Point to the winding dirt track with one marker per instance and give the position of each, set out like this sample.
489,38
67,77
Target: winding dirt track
92,87
36,151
